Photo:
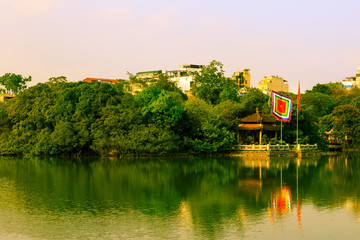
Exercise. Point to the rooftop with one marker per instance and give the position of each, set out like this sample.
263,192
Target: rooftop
257,118
100,80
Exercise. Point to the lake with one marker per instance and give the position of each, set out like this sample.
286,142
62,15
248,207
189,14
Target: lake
315,197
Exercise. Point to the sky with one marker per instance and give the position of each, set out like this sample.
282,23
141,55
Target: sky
315,41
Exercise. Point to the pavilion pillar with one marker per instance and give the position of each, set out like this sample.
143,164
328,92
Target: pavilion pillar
260,136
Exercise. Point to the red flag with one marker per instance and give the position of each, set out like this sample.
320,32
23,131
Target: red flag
298,97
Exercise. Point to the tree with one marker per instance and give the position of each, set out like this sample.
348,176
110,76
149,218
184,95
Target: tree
14,83
229,112
356,102
163,81
346,123
54,80
326,124
64,136
253,99
208,133
230,92
210,84
320,88
317,104
161,106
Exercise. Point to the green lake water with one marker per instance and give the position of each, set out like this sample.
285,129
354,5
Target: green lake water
314,197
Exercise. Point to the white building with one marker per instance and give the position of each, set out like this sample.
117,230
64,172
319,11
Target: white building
184,77
350,82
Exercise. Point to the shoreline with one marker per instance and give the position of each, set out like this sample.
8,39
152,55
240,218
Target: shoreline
234,153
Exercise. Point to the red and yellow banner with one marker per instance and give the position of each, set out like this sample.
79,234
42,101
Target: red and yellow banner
281,106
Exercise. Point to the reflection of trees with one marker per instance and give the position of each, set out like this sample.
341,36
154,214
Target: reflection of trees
202,191
335,178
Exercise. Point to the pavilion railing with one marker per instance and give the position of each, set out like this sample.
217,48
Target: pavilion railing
277,147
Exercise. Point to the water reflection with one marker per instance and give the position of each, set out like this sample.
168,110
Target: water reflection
281,202
182,198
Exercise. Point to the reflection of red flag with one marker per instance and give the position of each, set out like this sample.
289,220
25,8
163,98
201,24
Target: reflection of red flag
298,212
281,201
298,97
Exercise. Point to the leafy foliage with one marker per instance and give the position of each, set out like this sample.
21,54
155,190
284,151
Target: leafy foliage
208,133
13,83
346,123
60,117
212,86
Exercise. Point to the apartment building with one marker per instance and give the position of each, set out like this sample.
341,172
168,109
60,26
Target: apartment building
273,83
242,79
103,80
182,76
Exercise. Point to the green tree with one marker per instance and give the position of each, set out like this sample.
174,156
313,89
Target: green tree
229,113
356,102
54,80
64,136
320,88
346,123
161,106
326,124
208,133
14,83
308,128
164,82
253,99
212,86
230,92
120,130
317,104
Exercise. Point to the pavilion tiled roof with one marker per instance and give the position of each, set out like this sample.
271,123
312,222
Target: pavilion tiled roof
250,126
258,121
257,118
258,126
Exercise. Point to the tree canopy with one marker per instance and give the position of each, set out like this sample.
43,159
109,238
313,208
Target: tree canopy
212,86
60,117
13,83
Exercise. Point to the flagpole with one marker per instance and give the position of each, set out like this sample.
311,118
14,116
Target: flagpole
281,109
281,133
297,126
297,117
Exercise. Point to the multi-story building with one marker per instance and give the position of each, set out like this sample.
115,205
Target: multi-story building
92,80
350,82
242,78
148,75
275,83
183,76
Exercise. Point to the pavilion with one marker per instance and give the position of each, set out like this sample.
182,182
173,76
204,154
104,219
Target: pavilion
258,123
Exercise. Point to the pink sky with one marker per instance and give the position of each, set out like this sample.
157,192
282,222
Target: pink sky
308,41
